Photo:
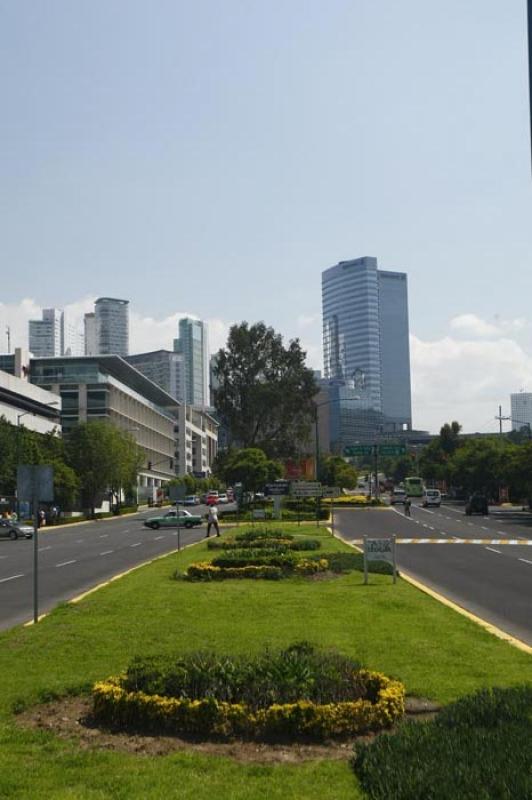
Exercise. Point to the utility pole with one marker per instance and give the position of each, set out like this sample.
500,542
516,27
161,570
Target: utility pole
501,418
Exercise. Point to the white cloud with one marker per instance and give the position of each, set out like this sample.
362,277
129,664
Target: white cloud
305,320
465,380
472,325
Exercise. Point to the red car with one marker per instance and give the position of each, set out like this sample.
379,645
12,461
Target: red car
212,500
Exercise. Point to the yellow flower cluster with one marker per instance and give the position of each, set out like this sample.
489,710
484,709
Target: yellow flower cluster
309,566
204,570
209,717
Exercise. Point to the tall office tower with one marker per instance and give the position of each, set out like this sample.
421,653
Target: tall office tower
163,367
112,326
91,340
365,345
193,345
521,404
46,334
73,341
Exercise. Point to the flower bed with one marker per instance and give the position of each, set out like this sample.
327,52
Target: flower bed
299,692
265,543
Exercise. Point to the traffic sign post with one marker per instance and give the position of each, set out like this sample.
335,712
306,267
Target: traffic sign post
35,483
358,450
279,488
306,489
392,449
382,549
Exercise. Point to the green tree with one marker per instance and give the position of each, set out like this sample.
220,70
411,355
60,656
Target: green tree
265,392
251,467
335,471
481,465
104,458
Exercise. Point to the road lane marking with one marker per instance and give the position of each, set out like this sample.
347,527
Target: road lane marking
41,549
104,535
431,528
484,528
106,552
136,544
79,541
66,563
11,578
157,538
493,550
526,561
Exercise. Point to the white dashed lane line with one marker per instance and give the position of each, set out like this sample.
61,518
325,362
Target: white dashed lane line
42,549
157,538
137,544
493,550
11,578
525,560
106,552
104,535
66,563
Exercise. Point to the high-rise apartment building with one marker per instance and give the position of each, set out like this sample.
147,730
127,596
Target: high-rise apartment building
193,345
112,326
91,340
163,367
366,349
521,405
46,334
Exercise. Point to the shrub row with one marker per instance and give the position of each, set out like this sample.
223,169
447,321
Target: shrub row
258,534
478,748
288,515
214,700
205,571
346,562
280,545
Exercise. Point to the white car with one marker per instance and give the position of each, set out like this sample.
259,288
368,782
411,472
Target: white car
223,498
397,496
431,497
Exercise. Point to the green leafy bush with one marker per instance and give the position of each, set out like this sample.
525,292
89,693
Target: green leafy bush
478,748
244,558
205,571
279,545
262,533
299,672
346,562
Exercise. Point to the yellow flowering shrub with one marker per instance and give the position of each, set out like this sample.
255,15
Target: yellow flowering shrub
117,707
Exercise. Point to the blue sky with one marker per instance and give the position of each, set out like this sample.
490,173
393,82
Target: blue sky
213,157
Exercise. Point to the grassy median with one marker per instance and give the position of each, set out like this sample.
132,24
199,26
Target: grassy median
395,629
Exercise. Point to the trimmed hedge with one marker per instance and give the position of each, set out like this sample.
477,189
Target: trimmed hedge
280,545
258,534
222,697
205,571
478,748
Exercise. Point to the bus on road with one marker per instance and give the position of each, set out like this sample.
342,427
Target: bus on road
414,487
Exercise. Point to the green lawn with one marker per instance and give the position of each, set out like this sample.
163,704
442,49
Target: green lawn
396,629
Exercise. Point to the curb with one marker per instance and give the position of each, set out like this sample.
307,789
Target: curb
487,626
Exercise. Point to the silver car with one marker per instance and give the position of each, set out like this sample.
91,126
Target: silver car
14,530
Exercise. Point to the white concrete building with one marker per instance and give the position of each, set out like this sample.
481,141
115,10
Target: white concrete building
21,403
196,451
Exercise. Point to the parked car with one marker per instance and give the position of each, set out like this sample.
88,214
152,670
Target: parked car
223,498
14,530
174,519
191,500
212,499
397,496
431,497
477,504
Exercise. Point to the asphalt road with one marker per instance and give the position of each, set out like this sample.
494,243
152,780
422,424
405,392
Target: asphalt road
74,559
492,581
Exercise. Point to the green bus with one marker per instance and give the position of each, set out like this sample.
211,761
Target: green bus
414,487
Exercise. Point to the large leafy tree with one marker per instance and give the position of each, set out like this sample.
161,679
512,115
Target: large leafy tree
265,392
481,465
104,458
251,467
334,471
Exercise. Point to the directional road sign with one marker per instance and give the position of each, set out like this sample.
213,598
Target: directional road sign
392,449
306,489
277,488
358,450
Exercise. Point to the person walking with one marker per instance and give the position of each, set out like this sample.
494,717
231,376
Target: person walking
408,506
212,519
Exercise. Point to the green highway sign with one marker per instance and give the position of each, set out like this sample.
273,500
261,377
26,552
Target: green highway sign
392,449
358,450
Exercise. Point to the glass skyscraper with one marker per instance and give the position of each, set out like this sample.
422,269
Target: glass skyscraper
112,326
365,351
193,345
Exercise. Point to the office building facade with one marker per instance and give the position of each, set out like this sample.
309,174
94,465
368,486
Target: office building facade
91,340
521,410
366,351
112,326
193,346
163,367
46,334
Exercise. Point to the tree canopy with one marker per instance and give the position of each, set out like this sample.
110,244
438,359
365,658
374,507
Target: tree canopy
265,392
249,466
335,471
